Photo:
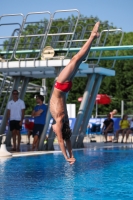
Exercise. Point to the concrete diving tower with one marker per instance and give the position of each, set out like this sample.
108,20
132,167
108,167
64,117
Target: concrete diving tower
50,69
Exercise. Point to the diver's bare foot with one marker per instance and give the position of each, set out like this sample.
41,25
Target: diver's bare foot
94,32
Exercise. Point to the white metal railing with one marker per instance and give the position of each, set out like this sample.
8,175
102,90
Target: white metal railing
71,33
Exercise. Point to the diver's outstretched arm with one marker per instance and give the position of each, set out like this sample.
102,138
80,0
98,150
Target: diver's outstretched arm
57,128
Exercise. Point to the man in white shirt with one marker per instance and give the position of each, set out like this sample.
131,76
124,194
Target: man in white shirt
15,116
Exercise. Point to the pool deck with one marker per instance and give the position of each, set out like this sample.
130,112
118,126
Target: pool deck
25,150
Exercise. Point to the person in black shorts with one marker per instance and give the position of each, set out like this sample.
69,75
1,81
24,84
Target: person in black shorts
15,116
108,126
39,114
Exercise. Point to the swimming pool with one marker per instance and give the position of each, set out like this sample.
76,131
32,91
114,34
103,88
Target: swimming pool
101,174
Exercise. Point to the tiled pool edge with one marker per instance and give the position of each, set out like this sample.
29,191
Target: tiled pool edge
89,147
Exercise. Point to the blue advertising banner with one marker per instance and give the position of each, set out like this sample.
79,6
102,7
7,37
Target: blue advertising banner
93,121
24,130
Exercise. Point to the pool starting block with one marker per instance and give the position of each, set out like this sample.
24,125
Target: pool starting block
4,152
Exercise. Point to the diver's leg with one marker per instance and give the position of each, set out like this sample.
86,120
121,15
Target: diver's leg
70,70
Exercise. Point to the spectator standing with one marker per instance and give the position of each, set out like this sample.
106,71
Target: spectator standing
15,116
39,114
29,126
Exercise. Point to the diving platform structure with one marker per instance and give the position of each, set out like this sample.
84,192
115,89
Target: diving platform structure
41,44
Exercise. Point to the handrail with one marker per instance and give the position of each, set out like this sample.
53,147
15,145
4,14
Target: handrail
75,26
17,39
108,32
111,58
107,48
65,44
43,38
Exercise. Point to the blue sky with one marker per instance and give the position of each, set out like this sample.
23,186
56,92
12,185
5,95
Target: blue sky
118,12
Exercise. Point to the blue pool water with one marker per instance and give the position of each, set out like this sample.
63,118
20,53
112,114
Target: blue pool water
102,174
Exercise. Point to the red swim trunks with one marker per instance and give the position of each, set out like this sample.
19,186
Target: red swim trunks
64,87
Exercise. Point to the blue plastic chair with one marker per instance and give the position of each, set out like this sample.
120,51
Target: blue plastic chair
93,130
